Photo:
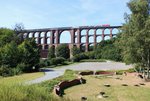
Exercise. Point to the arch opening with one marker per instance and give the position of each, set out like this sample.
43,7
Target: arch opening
48,41
91,32
91,47
83,40
98,39
115,31
48,34
65,37
25,35
30,35
76,37
36,40
36,35
42,34
91,39
107,38
107,31
42,41
83,32
82,47
99,31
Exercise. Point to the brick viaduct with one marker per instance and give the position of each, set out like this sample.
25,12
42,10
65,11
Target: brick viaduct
48,37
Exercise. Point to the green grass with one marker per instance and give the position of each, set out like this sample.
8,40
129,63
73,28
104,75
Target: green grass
12,90
68,75
116,92
21,78
19,92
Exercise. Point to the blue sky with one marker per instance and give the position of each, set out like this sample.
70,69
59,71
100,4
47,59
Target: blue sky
61,13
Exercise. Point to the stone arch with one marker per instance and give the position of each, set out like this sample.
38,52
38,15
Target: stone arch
99,31
91,39
91,32
30,35
48,34
48,40
91,47
115,31
65,37
41,40
107,37
36,34
98,39
25,35
83,32
83,39
107,31
36,40
83,47
42,34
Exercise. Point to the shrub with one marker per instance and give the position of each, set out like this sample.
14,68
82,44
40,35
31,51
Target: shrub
15,71
75,50
108,50
29,54
79,57
41,63
58,60
63,51
90,55
9,55
51,52
75,58
4,70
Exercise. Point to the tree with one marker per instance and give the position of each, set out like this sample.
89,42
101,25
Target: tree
63,51
18,28
108,50
29,54
75,50
9,55
135,36
6,36
51,52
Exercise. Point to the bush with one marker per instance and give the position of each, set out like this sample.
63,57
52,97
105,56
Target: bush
75,50
51,52
63,51
79,57
90,55
108,50
9,55
4,70
29,54
58,60
15,71
44,63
